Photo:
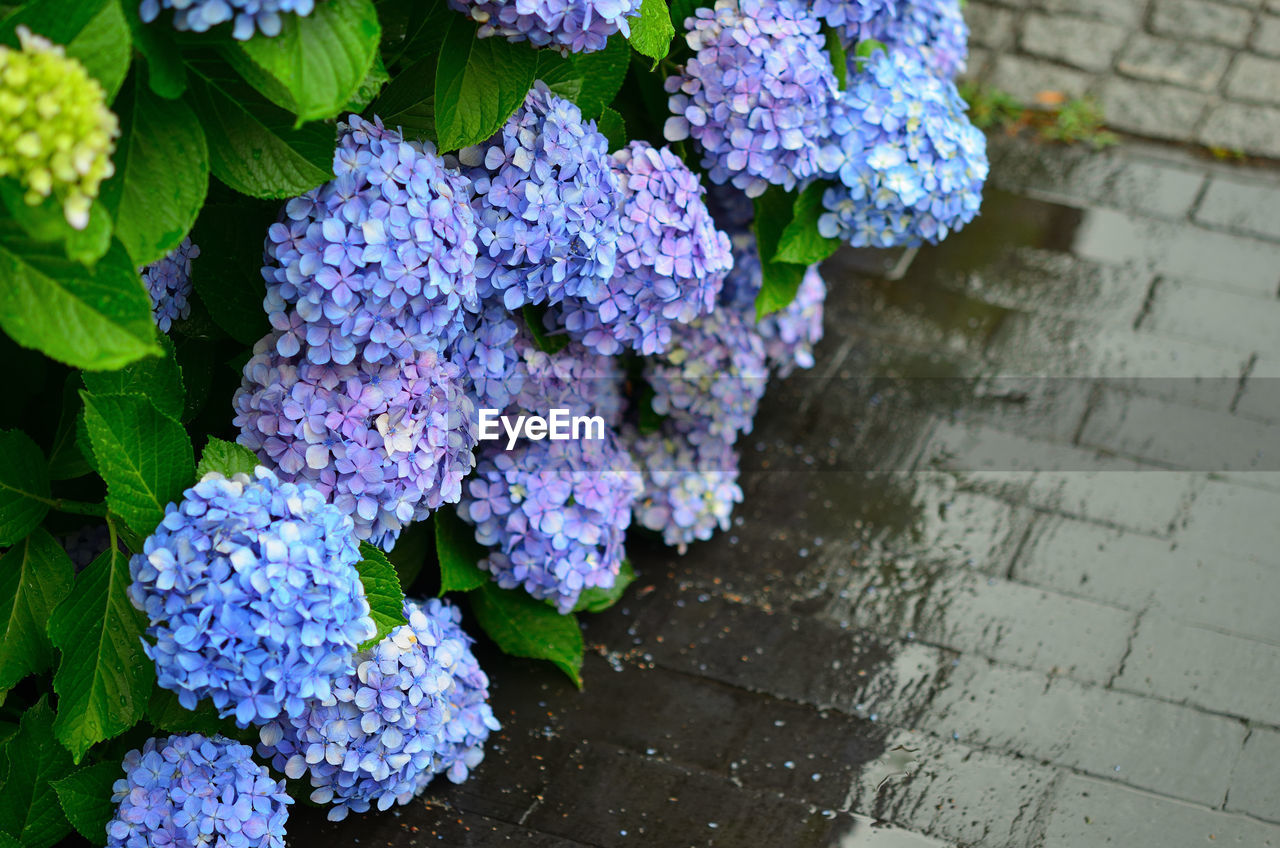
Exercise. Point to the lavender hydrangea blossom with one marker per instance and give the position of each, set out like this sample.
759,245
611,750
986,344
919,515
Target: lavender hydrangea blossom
251,588
169,284
555,514
759,95
856,20
790,333
262,16
567,26
573,378
672,258
712,377
930,31
486,354
387,444
546,204
415,706
914,166
690,483
378,262
195,790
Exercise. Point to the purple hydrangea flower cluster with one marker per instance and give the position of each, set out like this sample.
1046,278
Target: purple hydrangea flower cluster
262,16
914,166
415,706
567,26
193,790
253,595
690,484
672,258
386,443
759,94
790,333
572,378
169,284
486,353
930,31
546,205
378,262
712,377
556,514
856,20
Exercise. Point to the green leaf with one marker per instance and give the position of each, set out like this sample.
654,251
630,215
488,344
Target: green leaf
253,145
480,82
157,378
369,88
863,51
524,627
800,242
458,552
104,679
166,73
774,211
412,29
409,102
46,222
227,276
24,486
144,455
416,545
546,342
35,576
162,173
590,80
652,32
166,712
599,600
65,459
29,808
779,283
227,458
85,795
317,63
835,49
613,128
93,319
682,10
94,32
382,589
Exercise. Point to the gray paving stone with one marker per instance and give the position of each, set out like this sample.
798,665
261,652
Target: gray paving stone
1198,20
1266,37
1238,127
1206,587
1255,79
1024,626
1119,11
1223,318
949,782
1198,66
1164,747
1178,436
1085,44
1149,502
989,26
1255,785
1025,77
1261,395
985,453
1211,670
1150,109
1087,813
1245,205
1235,518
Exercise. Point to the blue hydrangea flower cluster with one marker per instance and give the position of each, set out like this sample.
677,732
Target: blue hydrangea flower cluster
378,262
914,166
193,790
385,443
169,284
415,706
856,20
546,204
790,333
712,377
672,259
567,26
253,595
486,354
262,16
690,483
931,31
572,378
759,95
555,513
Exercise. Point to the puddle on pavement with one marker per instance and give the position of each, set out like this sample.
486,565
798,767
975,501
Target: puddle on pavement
866,832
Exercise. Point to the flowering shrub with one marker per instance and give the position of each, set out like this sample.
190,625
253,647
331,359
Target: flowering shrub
410,219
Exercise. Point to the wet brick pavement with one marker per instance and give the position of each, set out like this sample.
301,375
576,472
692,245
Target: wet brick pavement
1006,574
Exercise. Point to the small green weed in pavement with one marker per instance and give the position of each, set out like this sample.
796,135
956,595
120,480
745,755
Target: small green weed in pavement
1053,117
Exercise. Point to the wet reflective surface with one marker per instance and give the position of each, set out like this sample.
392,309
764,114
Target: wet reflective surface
1005,574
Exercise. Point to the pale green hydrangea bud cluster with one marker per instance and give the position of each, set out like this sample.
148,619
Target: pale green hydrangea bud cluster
56,132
